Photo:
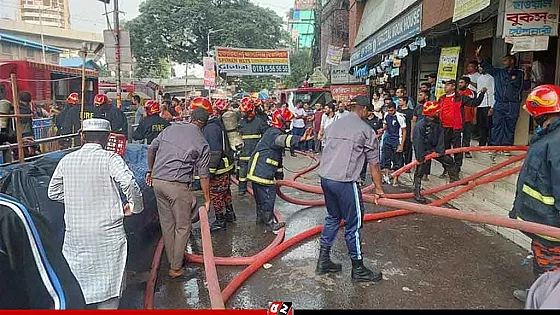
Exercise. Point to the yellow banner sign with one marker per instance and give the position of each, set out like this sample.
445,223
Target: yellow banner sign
447,70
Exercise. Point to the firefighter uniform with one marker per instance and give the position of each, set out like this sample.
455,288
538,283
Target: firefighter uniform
251,130
221,165
151,126
265,166
430,139
105,110
537,198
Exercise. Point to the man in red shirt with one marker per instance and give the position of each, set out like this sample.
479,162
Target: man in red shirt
452,113
469,120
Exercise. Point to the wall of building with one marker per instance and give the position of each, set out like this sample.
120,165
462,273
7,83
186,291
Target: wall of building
354,18
436,12
10,51
54,13
334,28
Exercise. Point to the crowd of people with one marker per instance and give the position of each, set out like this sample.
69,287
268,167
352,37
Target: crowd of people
189,145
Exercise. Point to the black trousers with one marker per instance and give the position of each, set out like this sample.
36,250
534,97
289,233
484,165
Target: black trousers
483,124
446,161
453,139
407,151
391,159
468,129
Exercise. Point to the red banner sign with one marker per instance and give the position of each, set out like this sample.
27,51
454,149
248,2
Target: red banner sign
348,92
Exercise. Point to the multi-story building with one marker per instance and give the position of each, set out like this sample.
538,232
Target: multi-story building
302,24
18,48
53,13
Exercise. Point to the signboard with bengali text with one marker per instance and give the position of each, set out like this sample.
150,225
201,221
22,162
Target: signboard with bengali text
531,18
464,8
447,70
348,92
250,62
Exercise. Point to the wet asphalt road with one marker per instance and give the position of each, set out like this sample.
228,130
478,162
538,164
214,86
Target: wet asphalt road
427,262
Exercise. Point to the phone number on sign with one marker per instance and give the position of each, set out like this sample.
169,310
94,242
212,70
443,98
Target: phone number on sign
270,69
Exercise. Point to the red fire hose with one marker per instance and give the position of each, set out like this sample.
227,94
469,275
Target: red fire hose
273,250
213,285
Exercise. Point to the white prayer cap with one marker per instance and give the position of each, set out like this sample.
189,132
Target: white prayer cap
96,124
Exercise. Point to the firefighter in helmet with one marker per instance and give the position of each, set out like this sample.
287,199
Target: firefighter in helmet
429,141
68,120
538,191
104,109
251,129
265,165
221,163
151,126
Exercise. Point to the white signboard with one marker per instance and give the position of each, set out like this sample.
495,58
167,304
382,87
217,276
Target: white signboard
531,18
340,75
464,8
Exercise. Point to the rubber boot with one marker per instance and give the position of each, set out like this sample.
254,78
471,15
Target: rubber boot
325,264
271,224
362,274
219,224
443,175
259,219
230,214
454,175
417,187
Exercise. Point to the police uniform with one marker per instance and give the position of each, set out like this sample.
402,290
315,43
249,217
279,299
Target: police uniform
349,142
221,165
149,128
265,166
251,131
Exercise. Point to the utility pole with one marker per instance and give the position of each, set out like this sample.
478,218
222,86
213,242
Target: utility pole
316,48
116,30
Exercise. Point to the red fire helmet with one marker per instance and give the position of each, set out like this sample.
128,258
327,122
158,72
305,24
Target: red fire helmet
101,99
248,108
544,99
431,108
280,117
152,107
246,100
221,104
73,98
202,102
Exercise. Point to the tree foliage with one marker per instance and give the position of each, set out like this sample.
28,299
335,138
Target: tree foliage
178,29
301,65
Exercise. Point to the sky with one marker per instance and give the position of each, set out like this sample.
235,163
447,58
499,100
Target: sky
87,15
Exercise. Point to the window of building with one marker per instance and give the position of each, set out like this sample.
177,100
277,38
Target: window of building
30,53
6,48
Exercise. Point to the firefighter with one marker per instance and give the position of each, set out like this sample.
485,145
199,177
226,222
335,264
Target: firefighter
430,140
221,164
538,192
68,121
150,127
251,129
104,109
265,163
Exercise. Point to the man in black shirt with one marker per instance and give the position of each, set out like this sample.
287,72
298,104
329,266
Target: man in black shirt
423,97
376,124
408,113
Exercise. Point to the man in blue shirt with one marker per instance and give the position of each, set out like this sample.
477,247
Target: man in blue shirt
509,83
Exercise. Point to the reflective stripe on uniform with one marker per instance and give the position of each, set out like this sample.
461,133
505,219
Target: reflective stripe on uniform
280,170
547,200
244,158
289,141
246,137
196,177
227,168
272,162
548,238
242,179
255,178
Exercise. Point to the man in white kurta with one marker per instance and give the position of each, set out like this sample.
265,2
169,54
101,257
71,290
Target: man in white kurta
87,182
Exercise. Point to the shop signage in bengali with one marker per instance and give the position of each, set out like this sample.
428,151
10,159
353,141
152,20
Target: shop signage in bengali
248,62
209,72
464,8
348,92
340,74
531,18
334,55
447,70
318,79
529,43
403,28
